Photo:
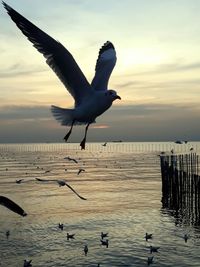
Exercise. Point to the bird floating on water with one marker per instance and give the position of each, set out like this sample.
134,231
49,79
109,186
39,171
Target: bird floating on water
61,183
19,181
91,100
103,235
154,249
60,226
186,237
11,205
70,236
85,250
27,263
148,236
7,234
104,242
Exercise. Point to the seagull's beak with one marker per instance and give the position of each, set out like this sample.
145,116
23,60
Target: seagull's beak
117,97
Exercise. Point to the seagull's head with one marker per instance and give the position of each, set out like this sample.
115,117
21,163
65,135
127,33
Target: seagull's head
112,94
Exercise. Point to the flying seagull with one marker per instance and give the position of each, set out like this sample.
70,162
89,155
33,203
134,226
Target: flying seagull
8,203
61,183
71,159
91,100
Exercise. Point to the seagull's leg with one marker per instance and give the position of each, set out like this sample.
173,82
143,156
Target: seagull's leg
82,144
70,131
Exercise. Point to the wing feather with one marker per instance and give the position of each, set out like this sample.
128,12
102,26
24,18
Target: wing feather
11,205
57,57
104,66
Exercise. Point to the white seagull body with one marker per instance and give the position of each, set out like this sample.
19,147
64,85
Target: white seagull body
91,100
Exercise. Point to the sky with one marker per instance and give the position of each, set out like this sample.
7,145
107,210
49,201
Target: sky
156,75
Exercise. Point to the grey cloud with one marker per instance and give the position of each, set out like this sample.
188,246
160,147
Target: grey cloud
24,112
147,122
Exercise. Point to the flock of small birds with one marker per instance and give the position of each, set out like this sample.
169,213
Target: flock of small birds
154,249
104,242
14,207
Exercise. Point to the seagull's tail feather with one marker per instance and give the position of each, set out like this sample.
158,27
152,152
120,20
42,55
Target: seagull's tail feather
63,115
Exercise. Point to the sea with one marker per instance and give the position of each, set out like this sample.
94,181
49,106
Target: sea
122,184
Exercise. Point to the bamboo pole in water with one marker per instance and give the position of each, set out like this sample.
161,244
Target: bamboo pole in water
181,185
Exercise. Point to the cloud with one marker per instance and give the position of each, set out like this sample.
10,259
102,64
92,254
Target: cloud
166,68
18,69
24,113
94,126
146,122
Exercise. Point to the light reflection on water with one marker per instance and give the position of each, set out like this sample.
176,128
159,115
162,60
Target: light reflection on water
123,192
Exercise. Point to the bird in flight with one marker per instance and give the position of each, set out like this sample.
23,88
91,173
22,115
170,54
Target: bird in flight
71,159
91,100
60,183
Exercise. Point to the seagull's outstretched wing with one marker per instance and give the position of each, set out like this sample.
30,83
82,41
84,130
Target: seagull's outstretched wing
75,192
8,203
57,57
104,66
64,183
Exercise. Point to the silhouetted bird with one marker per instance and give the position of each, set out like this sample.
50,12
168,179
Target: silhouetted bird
154,249
91,100
186,237
80,171
71,159
60,226
60,183
104,235
178,142
86,250
104,242
11,205
7,234
70,236
27,263
19,181
148,236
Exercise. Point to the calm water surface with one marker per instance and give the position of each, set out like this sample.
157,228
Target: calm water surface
123,191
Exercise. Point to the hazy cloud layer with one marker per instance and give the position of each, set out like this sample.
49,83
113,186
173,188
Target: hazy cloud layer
19,69
128,123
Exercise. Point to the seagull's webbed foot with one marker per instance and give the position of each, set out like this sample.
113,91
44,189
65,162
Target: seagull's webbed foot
82,144
69,133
